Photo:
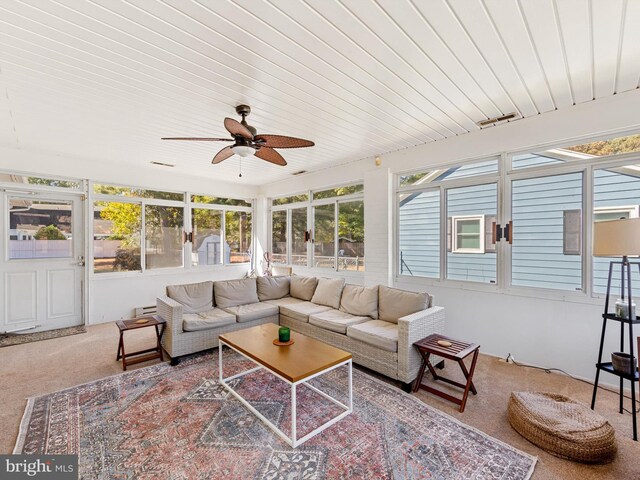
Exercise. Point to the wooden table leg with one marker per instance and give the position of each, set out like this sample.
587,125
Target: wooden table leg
124,356
468,375
120,347
159,336
421,373
469,379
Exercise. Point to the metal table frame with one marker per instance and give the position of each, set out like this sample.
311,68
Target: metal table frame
291,440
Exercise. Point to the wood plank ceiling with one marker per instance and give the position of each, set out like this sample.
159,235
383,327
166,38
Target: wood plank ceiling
105,79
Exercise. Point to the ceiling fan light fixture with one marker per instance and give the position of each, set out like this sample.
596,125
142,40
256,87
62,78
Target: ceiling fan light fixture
243,150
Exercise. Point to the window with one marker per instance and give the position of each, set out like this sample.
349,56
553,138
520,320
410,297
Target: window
450,173
338,192
40,228
117,228
21,180
209,200
133,192
470,255
303,197
324,255
206,244
299,236
616,194
468,234
163,236
547,240
419,234
279,237
351,235
237,232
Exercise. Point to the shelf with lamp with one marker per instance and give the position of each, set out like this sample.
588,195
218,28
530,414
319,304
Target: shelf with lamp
619,238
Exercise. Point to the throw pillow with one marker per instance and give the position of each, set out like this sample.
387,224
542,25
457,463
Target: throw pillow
394,303
360,301
328,292
273,288
231,293
303,287
196,297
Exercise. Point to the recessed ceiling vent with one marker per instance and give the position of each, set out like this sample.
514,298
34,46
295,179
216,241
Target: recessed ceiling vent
489,122
300,172
163,164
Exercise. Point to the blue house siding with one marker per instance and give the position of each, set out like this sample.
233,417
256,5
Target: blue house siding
537,209
528,160
419,234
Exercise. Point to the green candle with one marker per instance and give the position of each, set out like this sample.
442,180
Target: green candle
284,334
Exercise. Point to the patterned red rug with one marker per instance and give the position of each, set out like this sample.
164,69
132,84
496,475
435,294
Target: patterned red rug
178,423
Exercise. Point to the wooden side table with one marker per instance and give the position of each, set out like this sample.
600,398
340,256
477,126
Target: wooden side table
458,351
141,355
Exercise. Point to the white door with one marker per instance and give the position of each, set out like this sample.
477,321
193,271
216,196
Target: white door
42,266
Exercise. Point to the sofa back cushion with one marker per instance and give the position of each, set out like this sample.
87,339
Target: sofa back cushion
196,297
394,303
230,293
328,292
303,287
273,288
360,301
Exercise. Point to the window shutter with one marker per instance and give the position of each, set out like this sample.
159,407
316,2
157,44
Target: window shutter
449,240
572,232
489,246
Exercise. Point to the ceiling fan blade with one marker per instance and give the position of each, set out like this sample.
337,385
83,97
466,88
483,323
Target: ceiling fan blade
281,141
234,127
223,154
199,139
270,155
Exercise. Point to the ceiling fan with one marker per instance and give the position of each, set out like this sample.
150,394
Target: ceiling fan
247,142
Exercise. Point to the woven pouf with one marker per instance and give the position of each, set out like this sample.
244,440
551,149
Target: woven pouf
562,427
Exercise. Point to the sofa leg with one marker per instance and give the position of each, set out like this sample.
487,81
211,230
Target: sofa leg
174,361
440,365
406,387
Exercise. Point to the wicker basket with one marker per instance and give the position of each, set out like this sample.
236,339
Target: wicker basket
562,427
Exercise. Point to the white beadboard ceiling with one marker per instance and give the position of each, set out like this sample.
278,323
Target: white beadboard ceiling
105,79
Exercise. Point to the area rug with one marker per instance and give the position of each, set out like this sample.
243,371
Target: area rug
8,339
178,423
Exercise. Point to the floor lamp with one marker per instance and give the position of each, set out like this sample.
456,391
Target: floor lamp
618,238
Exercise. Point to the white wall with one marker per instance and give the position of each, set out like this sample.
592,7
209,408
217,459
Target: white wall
114,297
536,330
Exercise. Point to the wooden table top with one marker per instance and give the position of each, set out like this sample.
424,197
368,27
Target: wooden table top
296,362
131,324
457,350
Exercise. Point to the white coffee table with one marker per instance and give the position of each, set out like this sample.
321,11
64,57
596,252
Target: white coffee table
296,364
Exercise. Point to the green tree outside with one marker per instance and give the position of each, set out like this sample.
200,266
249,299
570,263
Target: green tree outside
50,232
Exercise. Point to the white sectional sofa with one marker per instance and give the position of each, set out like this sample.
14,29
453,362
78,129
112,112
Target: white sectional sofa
377,325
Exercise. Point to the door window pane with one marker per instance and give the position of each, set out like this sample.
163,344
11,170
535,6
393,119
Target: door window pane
547,240
279,236
238,236
351,236
298,230
324,236
116,236
206,247
163,236
470,254
419,234
616,194
40,229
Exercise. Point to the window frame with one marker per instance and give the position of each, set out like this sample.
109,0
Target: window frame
454,233
632,210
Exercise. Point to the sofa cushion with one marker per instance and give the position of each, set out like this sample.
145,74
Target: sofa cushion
360,300
335,320
328,292
378,333
192,322
394,303
272,288
303,287
229,293
253,311
195,297
301,311
284,301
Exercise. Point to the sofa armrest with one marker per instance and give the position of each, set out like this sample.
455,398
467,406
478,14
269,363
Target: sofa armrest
412,328
171,312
